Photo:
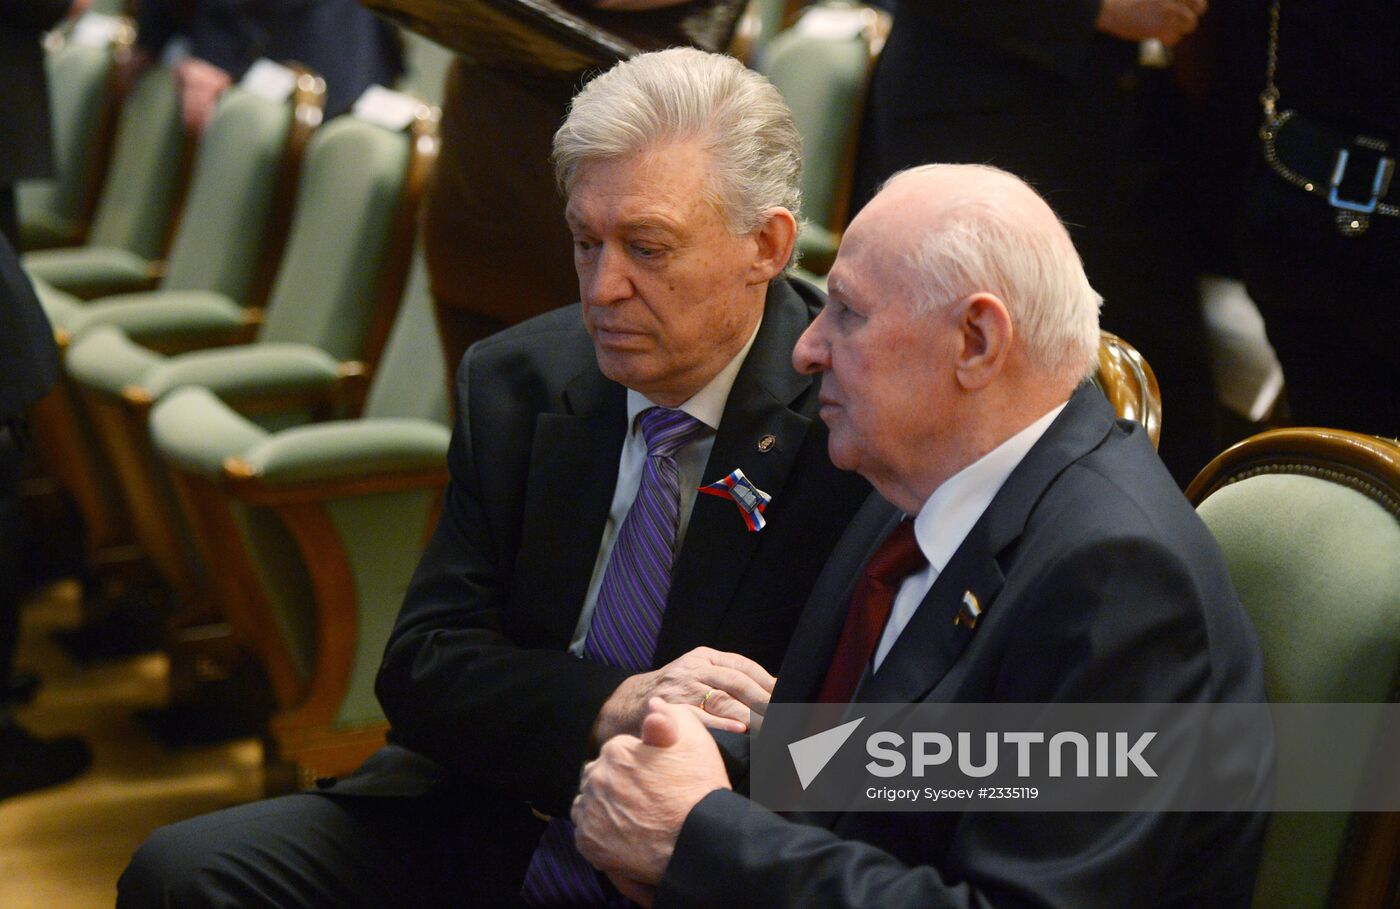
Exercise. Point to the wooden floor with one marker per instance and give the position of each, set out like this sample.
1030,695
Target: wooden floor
65,847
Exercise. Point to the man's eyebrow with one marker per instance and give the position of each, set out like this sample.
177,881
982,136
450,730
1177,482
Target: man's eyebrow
652,222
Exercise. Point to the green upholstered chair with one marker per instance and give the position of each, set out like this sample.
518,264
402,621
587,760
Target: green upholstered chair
1309,520
822,66
316,530
131,225
230,235
83,98
227,239
337,289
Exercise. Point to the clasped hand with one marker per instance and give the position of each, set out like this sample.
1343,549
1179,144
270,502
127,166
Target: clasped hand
635,797
723,690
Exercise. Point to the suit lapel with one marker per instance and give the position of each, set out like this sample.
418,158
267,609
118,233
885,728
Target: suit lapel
813,643
932,641
718,546
573,472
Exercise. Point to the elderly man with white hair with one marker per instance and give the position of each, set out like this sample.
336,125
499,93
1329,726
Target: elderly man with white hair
577,572
1022,546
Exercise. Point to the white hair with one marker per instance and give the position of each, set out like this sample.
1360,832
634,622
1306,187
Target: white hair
684,94
985,244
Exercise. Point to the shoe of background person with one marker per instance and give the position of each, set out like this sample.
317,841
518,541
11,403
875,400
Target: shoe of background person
28,763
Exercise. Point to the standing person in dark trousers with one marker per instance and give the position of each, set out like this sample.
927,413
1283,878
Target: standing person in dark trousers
29,363
26,147
1054,93
29,367
1323,263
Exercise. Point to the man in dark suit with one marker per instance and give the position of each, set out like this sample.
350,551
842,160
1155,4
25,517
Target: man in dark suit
1055,93
504,669
1046,557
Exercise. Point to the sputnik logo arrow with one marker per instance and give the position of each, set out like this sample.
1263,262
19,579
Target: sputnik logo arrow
811,754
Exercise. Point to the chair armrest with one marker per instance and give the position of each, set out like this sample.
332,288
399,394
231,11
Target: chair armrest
62,309
92,271
45,230
341,460
106,359
250,372
163,315
345,449
194,430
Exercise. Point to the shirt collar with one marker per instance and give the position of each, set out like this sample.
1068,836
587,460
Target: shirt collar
707,404
950,513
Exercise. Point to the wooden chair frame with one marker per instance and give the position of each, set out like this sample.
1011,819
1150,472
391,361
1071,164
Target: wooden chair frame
1129,383
304,730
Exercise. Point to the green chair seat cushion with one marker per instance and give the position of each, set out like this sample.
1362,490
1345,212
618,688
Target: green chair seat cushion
346,448
247,371
162,314
191,427
107,360
89,271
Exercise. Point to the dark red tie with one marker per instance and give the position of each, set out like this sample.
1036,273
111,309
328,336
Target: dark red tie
897,558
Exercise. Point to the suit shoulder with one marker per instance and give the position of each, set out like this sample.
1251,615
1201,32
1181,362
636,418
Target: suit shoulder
549,348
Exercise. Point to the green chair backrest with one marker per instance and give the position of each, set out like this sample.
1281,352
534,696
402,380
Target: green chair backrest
1315,557
823,76
139,193
404,383
220,238
352,184
78,77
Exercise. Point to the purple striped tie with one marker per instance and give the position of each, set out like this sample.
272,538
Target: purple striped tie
626,621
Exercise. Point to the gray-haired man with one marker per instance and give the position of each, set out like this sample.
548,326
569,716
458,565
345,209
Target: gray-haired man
576,573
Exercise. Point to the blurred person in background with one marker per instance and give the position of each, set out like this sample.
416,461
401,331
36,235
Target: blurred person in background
1320,216
1059,94
211,43
26,142
29,365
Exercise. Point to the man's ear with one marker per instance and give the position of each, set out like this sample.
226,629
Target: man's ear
985,327
773,241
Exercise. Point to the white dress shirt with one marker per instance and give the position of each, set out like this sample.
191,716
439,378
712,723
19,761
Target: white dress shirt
948,517
707,406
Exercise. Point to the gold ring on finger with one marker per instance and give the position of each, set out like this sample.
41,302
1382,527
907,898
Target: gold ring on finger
705,701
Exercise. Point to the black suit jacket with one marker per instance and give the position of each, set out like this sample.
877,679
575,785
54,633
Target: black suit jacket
476,681
28,356
1099,584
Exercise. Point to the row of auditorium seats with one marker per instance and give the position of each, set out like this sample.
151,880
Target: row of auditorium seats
275,301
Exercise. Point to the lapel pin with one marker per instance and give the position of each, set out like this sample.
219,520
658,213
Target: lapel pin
969,612
766,443
751,500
